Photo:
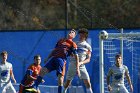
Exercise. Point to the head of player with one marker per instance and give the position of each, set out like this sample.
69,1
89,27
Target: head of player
118,59
4,56
83,34
37,59
72,34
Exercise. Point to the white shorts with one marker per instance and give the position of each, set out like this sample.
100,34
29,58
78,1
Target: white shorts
72,72
119,89
7,88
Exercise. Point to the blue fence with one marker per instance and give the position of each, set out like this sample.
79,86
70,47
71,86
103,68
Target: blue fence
23,45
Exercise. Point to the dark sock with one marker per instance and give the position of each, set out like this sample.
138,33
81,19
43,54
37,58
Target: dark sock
60,89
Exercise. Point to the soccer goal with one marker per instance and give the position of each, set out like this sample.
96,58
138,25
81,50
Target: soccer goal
128,44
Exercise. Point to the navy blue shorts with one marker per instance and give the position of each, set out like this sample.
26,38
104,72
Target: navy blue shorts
58,64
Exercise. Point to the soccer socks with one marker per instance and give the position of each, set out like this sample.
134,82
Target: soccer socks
89,90
60,89
65,90
38,81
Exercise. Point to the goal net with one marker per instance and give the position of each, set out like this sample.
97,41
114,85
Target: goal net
128,44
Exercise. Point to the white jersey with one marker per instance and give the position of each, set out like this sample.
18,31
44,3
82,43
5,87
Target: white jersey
118,74
5,72
83,48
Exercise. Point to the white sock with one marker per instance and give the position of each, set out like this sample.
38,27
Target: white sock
65,90
89,90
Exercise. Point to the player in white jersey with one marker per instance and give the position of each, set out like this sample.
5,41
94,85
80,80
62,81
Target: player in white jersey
84,52
5,74
118,73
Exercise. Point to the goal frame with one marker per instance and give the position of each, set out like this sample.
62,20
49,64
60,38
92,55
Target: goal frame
120,35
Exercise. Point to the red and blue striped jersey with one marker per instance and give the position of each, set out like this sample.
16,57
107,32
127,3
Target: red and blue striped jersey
64,48
32,70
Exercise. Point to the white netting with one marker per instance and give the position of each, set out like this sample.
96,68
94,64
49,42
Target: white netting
131,56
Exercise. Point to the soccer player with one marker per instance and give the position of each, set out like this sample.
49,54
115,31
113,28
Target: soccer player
118,73
84,52
57,59
6,71
30,76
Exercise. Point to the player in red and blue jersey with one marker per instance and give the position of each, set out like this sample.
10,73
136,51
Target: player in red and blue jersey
30,76
57,59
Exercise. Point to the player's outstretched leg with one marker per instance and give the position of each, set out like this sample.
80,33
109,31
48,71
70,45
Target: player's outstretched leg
66,85
65,90
88,86
60,83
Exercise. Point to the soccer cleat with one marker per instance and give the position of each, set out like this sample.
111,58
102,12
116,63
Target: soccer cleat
32,90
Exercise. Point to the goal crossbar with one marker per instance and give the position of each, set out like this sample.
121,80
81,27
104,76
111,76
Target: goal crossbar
124,35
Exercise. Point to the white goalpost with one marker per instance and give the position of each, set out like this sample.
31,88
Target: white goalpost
128,44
